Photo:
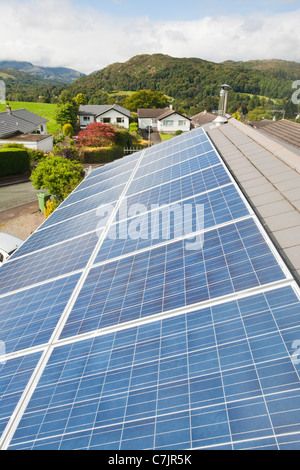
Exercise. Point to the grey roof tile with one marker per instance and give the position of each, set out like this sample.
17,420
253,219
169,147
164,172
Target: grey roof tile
269,175
26,115
97,110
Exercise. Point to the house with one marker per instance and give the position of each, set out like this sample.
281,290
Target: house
24,127
202,118
163,120
107,114
282,130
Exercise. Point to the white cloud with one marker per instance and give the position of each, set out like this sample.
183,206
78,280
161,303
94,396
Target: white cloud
55,33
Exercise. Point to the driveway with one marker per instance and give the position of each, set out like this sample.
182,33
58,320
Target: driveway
16,195
154,136
19,214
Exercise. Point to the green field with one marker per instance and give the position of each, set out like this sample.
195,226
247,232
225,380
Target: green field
45,110
275,100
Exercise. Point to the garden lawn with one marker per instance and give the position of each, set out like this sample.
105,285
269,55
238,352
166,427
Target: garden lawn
166,136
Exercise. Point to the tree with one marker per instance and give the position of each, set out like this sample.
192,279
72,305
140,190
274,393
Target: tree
67,109
66,114
97,134
146,99
65,97
58,176
80,99
258,114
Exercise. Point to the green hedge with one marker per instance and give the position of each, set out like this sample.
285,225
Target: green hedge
102,155
13,161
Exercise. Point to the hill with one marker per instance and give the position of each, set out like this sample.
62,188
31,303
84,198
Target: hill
273,65
57,74
191,82
23,86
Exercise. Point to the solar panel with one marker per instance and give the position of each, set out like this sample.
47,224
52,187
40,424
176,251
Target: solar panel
150,311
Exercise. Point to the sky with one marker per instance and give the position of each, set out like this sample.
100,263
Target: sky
89,35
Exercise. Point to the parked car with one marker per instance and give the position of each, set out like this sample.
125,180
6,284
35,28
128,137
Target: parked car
149,128
8,245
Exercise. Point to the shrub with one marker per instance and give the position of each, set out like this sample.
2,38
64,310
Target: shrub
58,176
123,138
13,146
178,132
133,127
97,134
68,130
102,155
50,207
35,155
71,153
13,161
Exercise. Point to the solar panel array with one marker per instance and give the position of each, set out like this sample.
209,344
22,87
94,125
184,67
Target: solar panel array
116,333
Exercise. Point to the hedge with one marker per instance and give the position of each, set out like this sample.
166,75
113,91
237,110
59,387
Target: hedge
101,155
13,161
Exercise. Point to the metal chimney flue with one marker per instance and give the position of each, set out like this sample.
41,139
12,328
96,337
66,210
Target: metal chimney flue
222,119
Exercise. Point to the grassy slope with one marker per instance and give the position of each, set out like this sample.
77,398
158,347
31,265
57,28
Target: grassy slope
45,110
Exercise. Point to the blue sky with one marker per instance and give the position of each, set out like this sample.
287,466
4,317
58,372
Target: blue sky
89,35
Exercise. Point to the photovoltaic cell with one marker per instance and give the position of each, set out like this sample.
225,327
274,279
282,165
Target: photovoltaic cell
28,318
189,339
14,376
233,258
202,379
167,174
181,188
81,207
219,206
43,265
100,175
96,189
71,228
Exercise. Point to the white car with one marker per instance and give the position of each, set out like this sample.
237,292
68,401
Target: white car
8,244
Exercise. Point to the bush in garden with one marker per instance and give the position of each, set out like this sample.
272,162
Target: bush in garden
13,161
68,130
97,134
50,207
58,175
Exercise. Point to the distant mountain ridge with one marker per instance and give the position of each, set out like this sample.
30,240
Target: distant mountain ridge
61,75
189,81
267,65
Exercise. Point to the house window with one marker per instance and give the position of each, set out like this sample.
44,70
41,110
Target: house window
86,118
120,120
181,123
168,123
106,120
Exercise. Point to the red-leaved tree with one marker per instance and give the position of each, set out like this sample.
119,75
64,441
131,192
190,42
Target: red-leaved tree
97,134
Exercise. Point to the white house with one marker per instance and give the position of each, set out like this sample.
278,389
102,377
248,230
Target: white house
107,114
171,121
163,120
24,127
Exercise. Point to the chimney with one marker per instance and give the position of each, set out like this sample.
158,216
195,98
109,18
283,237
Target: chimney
8,109
222,119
